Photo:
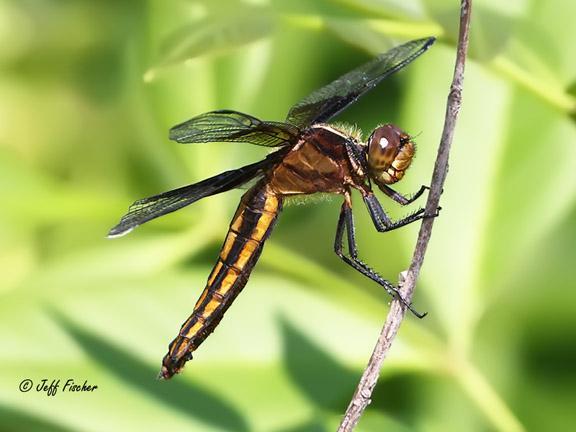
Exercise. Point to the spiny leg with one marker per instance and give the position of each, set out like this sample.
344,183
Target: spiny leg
346,221
381,220
398,197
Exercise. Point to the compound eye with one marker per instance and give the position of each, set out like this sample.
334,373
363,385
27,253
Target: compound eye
383,147
383,143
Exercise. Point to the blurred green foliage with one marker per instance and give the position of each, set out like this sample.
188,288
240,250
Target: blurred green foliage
88,92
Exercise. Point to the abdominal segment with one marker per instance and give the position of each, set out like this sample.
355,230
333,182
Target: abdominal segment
251,225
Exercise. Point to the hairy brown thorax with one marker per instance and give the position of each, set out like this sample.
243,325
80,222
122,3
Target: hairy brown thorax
318,163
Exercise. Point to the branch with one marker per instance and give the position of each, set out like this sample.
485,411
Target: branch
363,392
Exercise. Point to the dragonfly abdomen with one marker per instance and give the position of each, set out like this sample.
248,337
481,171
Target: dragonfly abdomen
252,224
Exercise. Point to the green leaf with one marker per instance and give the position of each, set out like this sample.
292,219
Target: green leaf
530,193
191,399
373,421
378,36
320,377
549,31
313,425
489,34
572,92
361,35
398,9
323,8
13,419
214,35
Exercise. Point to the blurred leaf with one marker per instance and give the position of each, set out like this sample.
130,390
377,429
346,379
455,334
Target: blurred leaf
548,29
373,421
489,34
323,8
370,421
32,197
191,399
379,36
521,189
313,425
98,73
549,360
572,91
548,90
395,8
214,35
325,381
395,394
360,35
16,420
340,291
130,257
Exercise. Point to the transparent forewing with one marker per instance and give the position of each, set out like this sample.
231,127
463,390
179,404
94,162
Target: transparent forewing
328,101
233,126
158,205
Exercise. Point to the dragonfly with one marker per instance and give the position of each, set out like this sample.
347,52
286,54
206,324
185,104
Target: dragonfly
313,156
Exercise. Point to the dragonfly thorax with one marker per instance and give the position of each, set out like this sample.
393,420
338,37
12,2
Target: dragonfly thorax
389,154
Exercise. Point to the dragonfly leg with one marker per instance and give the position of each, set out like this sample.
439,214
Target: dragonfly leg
381,220
346,222
398,197
356,154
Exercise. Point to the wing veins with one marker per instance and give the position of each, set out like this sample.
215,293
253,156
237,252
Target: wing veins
233,126
333,98
146,209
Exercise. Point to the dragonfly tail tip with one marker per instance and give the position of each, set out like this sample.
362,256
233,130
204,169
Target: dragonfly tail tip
163,375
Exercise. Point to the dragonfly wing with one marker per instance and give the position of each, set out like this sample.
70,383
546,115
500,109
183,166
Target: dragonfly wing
155,206
331,99
234,126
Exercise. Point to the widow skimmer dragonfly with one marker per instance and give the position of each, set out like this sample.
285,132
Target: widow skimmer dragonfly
313,157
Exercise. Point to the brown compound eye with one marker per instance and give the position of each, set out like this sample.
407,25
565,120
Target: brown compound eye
390,152
383,146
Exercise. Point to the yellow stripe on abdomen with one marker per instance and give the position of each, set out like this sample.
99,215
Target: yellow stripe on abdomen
251,225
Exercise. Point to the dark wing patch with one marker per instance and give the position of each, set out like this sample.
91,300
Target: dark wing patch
233,126
158,205
329,100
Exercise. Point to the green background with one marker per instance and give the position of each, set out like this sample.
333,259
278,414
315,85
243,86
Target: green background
88,91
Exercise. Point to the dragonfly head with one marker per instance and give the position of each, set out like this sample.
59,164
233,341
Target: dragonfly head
389,153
